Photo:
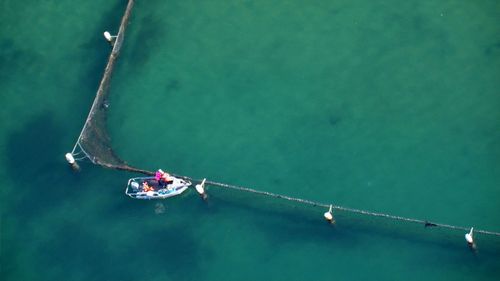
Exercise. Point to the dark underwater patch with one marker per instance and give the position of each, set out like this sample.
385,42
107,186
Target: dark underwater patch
14,59
173,85
333,120
492,50
33,163
143,43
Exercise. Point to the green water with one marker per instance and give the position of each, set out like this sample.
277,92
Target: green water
389,107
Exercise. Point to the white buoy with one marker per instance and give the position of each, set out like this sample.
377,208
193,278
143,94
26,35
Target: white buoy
109,37
70,158
329,215
469,237
71,161
200,188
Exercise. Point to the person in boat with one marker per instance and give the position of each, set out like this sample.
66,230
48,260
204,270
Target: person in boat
146,187
163,178
158,175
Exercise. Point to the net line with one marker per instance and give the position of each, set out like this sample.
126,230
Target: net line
94,144
94,141
340,208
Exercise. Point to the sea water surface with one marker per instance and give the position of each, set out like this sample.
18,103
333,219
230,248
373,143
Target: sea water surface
390,107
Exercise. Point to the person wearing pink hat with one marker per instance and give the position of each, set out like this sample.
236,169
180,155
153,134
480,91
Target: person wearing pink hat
163,178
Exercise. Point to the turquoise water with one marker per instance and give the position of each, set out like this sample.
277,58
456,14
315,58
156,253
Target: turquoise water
388,107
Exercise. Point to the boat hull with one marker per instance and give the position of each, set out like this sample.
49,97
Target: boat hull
135,188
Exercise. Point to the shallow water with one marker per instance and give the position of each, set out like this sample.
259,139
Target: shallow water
388,107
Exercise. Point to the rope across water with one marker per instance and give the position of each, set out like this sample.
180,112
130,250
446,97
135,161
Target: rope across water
341,208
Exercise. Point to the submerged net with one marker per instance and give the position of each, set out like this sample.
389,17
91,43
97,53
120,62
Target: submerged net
94,144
